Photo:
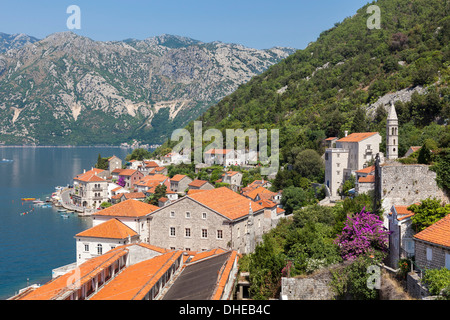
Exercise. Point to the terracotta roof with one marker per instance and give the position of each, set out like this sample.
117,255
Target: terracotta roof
111,229
224,276
260,190
134,195
366,170
357,136
90,176
226,202
177,177
197,183
79,276
163,199
109,159
150,164
280,210
218,151
128,208
118,170
330,138
230,173
117,189
415,148
402,212
192,191
437,233
127,172
206,254
135,281
368,179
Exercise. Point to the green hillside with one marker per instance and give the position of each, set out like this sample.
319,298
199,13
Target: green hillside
325,89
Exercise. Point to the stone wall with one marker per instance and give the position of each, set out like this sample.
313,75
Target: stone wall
406,184
437,255
305,289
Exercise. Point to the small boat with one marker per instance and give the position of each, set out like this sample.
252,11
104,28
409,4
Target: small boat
62,210
70,211
28,199
65,216
6,160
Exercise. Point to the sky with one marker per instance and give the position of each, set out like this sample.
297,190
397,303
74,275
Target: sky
258,24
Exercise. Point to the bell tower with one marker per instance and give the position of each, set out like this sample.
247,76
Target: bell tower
392,133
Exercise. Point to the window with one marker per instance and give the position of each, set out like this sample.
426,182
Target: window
204,215
172,231
188,214
219,234
99,249
188,232
172,214
429,254
204,233
86,247
447,261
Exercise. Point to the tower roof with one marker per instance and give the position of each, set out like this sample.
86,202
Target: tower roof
392,115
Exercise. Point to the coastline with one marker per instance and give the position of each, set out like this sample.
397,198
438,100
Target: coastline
63,146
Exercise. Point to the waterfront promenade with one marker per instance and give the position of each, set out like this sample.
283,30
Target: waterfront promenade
66,202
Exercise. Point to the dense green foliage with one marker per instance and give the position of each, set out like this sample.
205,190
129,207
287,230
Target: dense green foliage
326,87
437,280
428,212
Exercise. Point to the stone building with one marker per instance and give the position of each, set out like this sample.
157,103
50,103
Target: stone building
432,245
114,163
391,134
179,183
217,218
351,153
401,243
90,190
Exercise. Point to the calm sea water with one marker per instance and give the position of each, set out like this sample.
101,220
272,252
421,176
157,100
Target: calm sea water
32,245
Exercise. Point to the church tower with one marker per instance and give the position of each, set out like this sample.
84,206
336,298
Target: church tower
392,133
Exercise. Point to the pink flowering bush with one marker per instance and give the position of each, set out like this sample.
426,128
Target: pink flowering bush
362,234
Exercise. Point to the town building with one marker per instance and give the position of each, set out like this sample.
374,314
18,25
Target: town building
200,185
432,245
233,178
114,163
401,243
130,177
90,190
391,134
352,152
179,183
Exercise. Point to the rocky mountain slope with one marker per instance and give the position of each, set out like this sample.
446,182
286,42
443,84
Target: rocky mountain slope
11,41
69,89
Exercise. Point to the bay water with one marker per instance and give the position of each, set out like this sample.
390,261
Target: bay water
33,244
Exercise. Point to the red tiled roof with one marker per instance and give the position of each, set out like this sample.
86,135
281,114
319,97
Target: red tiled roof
111,229
438,233
136,280
366,170
128,208
127,172
197,183
330,138
402,212
177,177
368,179
226,202
90,176
357,136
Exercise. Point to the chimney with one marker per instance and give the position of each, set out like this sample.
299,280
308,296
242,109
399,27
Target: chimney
346,132
84,170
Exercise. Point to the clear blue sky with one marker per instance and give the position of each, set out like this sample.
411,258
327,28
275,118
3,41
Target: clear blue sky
259,24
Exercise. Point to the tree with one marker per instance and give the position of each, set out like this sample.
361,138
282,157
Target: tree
442,169
160,192
138,154
102,163
294,198
363,233
428,212
309,164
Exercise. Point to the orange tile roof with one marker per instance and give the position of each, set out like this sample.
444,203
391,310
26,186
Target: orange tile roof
150,164
177,177
330,138
192,191
224,276
280,210
206,254
111,229
90,176
218,151
134,195
127,208
127,172
402,212
226,202
118,170
136,281
357,136
366,170
368,179
197,183
438,233
260,190
230,173
79,276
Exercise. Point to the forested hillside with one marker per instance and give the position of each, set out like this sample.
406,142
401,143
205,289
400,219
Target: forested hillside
333,84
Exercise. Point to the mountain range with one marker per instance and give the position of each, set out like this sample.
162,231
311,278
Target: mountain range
69,89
